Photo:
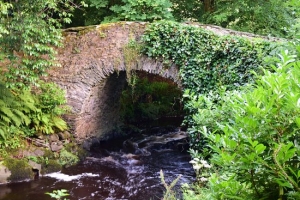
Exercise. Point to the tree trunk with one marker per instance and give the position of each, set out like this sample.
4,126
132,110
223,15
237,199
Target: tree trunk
208,5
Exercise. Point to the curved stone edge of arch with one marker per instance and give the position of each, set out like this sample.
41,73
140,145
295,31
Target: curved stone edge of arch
89,57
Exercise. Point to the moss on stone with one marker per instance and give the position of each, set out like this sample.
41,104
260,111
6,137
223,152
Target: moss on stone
20,169
71,147
81,153
49,154
77,150
51,166
67,158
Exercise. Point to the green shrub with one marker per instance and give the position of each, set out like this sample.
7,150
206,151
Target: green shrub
253,136
142,10
24,113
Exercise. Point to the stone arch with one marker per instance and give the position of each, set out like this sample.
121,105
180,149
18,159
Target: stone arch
91,58
92,74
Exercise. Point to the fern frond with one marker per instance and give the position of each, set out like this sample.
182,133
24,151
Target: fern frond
5,119
25,119
3,131
59,123
9,114
28,101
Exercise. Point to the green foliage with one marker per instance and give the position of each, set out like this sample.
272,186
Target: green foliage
11,111
58,194
260,17
51,98
253,144
187,10
206,61
25,113
129,10
132,53
29,34
149,100
142,10
94,13
15,109
4,8
272,17
50,101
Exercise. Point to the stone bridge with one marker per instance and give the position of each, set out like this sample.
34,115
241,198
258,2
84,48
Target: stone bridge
94,61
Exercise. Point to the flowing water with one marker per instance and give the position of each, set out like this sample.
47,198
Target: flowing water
118,169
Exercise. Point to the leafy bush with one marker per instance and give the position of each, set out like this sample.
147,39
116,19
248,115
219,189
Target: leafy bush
256,17
25,113
253,135
50,101
143,10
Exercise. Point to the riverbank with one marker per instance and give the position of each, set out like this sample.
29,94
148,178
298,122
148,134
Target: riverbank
39,156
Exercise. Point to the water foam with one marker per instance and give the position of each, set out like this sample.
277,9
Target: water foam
65,177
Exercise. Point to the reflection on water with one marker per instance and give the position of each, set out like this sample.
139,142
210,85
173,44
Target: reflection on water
115,170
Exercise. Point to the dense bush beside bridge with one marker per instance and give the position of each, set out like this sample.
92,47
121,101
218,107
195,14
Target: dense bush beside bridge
243,118
206,61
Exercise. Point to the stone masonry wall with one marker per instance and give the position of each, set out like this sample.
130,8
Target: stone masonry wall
89,60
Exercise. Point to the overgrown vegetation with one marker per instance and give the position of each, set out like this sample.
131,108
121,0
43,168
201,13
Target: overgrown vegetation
206,61
252,136
149,99
244,119
29,34
272,17
244,113
25,113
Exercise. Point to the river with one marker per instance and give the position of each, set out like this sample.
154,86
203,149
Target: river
121,169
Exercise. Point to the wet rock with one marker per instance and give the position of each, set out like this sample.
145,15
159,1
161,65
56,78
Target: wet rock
4,174
36,152
35,166
129,146
52,166
87,145
20,169
56,146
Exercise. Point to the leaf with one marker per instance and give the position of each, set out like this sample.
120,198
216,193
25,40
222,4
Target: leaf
284,183
260,148
3,133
